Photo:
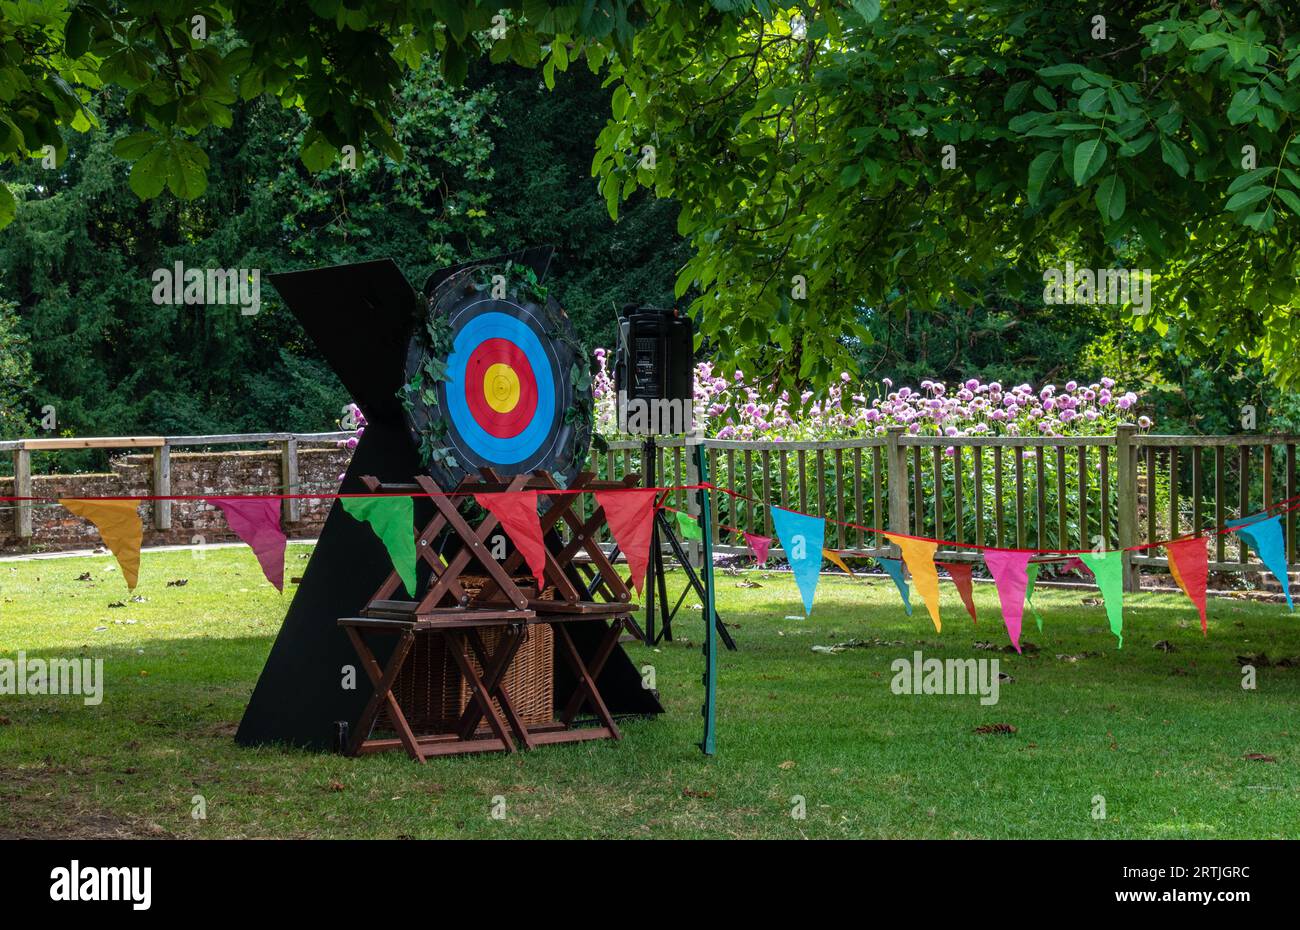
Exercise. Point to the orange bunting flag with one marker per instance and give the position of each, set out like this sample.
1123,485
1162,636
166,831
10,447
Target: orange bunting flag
1189,564
835,557
918,555
119,526
960,573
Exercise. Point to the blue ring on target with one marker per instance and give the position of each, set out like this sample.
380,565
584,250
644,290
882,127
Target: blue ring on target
497,325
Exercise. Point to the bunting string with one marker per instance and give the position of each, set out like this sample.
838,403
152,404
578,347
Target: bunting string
1279,508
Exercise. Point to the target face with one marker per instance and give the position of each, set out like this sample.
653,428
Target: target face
507,386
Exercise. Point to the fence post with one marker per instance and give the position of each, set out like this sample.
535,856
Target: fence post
896,478
23,488
162,486
693,547
1126,513
289,480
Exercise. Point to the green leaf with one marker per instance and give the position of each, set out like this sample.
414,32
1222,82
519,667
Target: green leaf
868,9
1016,94
1261,221
1045,98
1173,156
187,170
317,153
149,173
135,145
1247,179
1064,70
1290,198
8,206
1040,169
1092,100
76,33
1088,159
1209,40
1246,198
1111,198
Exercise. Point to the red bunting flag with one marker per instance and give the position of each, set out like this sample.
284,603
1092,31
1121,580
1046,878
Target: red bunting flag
759,546
630,515
517,511
1189,564
256,521
960,573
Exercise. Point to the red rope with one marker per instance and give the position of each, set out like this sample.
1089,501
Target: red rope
1284,506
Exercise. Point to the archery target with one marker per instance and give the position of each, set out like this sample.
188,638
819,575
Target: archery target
507,386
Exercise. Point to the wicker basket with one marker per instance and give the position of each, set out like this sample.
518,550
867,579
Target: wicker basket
433,693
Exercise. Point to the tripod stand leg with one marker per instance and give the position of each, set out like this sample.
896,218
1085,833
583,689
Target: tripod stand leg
665,614
692,577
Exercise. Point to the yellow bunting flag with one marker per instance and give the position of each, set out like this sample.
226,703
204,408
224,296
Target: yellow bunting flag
119,526
918,555
835,557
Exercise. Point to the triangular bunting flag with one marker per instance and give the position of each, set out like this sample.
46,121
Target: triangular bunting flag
1188,563
801,537
1108,570
960,573
834,557
688,526
119,527
393,520
759,546
1265,537
630,515
894,569
517,513
919,556
256,521
1031,576
1009,569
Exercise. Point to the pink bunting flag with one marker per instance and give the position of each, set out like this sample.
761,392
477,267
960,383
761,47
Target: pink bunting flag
256,521
517,512
759,546
1075,564
630,515
1010,571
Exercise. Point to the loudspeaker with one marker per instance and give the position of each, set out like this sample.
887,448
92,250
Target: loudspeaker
653,371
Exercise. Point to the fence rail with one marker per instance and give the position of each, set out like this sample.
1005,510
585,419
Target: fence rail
161,447
1080,492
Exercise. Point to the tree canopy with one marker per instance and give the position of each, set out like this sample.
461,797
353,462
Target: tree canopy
831,160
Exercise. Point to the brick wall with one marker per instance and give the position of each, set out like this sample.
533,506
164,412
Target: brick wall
215,473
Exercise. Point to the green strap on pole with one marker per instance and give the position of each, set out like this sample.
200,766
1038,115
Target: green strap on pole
711,621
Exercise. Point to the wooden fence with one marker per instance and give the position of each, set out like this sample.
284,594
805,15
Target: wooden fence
161,447
1019,492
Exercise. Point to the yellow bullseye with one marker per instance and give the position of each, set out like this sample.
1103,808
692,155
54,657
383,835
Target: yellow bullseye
501,387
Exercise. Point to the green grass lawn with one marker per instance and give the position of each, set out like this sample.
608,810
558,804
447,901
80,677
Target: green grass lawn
1162,736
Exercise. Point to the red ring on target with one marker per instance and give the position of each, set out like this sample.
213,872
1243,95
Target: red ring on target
501,424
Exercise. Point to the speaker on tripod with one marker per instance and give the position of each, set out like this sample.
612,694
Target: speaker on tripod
655,381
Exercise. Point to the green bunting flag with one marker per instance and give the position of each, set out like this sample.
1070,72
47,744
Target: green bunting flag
393,521
1031,573
1108,569
688,526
